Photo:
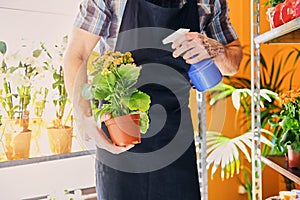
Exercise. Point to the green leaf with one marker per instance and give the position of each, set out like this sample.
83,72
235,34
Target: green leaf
288,136
220,96
144,122
3,47
129,75
290,124
111,78
86,91
101,93
139,101
36,53
57,84
56,77
104,82
105,109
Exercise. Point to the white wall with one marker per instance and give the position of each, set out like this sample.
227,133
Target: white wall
24,21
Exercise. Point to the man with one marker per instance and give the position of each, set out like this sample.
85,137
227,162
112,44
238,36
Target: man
171,175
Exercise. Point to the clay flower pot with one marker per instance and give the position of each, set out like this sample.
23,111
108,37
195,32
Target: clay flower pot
17,145
293,158
60,139
124,130
16,140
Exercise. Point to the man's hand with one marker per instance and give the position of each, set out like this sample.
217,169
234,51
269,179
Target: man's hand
90,130
195,47
191,47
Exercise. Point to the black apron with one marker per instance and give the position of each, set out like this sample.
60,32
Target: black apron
163,166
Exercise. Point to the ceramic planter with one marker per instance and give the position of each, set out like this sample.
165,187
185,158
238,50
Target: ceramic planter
293,158
124,130
16,140
60,139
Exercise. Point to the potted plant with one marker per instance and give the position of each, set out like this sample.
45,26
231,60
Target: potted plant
15,96
112,91
289,121
60,133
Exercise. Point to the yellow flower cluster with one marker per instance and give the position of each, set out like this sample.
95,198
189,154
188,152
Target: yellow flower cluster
290,96
110,60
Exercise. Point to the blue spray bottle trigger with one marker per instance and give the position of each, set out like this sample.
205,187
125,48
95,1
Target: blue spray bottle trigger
205,75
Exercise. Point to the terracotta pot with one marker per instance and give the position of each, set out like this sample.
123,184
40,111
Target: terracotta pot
293,158
16,140
17,146
124,130
60,139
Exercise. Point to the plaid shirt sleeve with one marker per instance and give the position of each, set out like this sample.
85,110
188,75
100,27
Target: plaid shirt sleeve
219,27
94,16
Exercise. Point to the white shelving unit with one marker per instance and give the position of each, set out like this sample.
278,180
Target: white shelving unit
200,141
286,34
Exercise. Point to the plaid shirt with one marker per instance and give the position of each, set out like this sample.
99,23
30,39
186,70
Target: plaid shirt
103,18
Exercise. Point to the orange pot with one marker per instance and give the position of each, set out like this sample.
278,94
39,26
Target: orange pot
17,145
60,139
293,158
16,140
124,130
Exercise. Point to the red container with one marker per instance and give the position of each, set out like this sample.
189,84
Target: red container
277,17
293,158
291,10
124,130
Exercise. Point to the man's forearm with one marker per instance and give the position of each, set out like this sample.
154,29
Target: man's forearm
80,47
75,76
229,60
227,57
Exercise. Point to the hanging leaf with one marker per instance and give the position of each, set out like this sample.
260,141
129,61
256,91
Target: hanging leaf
3,47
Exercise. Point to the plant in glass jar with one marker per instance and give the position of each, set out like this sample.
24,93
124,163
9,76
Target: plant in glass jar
113,85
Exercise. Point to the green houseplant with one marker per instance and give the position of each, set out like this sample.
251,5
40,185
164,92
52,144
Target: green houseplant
288,121
112,91
60,133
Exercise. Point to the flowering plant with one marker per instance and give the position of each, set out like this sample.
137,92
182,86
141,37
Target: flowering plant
17,81
55,64
113,86
290,119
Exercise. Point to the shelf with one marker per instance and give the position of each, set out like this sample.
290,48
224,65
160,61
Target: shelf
286,33
13,163
292,174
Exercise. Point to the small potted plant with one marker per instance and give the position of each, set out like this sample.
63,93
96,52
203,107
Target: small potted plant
289,121
60,132
15,96
113,85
